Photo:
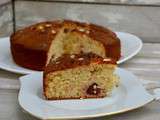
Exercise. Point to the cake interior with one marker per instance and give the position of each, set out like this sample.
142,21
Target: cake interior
93,81
71,41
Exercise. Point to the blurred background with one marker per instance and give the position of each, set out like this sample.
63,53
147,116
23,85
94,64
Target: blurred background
139,17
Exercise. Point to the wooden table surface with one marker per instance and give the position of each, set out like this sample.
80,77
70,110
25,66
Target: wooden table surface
146,65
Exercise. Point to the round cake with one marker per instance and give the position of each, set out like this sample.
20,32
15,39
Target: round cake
34,46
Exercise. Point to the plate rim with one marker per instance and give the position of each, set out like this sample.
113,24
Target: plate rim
90,116
150,99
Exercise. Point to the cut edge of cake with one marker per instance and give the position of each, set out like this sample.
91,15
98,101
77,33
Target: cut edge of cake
73,39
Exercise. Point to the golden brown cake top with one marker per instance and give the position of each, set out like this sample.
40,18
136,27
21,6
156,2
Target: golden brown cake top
67,61
40,35
37,36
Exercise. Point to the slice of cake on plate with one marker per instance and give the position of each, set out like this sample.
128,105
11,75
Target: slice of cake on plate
79,76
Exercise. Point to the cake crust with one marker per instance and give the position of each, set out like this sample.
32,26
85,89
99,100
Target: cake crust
68,61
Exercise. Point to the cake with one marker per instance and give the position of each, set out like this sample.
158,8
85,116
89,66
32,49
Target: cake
33,47
79,76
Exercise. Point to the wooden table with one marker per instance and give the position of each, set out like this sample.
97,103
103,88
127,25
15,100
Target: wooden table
146,65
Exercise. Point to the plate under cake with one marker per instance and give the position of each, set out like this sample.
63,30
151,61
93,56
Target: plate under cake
129,95
79,76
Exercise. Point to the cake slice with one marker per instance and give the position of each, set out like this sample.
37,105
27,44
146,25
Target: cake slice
79,76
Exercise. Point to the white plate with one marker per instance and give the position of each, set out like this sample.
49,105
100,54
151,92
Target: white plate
128,96
131,45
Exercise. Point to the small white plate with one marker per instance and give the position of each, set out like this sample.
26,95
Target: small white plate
131,45
128,96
